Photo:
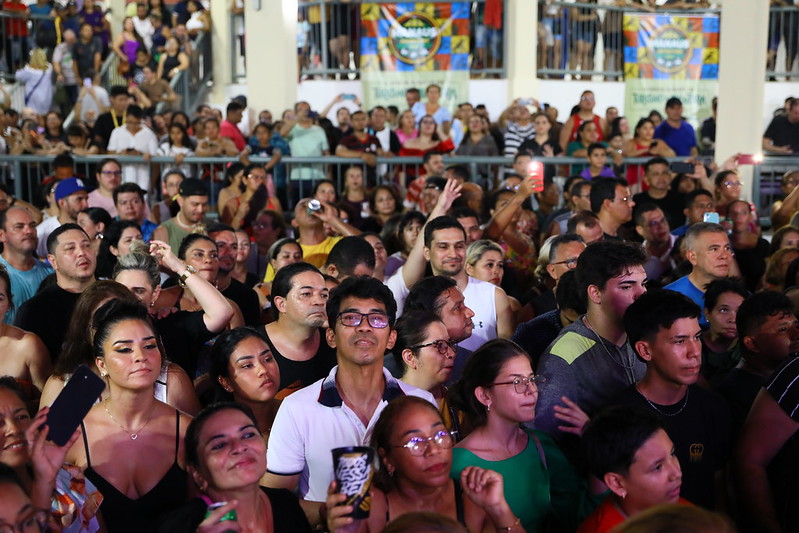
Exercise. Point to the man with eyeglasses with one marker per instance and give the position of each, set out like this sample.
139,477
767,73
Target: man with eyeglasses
133,138
341,409
563,252
708,249
109,177
653,226
613,204
17,513
658,176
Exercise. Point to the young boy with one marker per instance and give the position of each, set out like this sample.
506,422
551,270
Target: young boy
663,329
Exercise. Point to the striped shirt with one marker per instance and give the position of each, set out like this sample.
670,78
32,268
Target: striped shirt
515,135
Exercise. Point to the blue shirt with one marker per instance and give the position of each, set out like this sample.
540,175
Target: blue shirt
684,286
24,284
681,139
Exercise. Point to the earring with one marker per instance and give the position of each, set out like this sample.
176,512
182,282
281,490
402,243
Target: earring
488,408
391,473
103,374
623,494
228,389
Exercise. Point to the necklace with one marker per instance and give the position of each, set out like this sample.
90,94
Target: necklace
620,362
656,408
133,435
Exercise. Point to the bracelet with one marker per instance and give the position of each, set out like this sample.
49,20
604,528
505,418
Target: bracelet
183,277
518,522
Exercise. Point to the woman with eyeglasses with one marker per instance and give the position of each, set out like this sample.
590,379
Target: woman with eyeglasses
415,453
426,355
498,393
728,189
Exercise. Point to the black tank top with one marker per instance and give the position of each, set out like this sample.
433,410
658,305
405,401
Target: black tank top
169,63
123,514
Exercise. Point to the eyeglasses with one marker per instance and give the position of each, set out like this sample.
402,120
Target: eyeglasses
623,199
261,226
708,205
443,346
586,98
418,446
257,177
570,262
521,384
36,522
111,172
512,187
353,319
731,184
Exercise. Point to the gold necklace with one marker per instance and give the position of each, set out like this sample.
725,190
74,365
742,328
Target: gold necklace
134,435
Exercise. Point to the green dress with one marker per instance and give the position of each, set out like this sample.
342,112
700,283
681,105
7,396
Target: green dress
535,491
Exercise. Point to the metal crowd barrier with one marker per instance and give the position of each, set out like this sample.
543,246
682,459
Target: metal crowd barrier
24,173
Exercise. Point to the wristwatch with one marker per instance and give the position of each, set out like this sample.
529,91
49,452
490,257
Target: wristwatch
183,277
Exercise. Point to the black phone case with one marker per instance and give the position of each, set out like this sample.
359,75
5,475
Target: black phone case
77,398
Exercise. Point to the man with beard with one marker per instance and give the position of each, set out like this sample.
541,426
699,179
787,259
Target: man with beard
297,336
47,314
18,235
245,298
193,201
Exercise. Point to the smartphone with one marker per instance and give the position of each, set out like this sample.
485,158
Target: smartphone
750,159
78,396
348,97
711,217
87,82
680,167
525,101
536,171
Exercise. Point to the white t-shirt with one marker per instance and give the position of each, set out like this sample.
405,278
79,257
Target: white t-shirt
143,141
313,421
480,297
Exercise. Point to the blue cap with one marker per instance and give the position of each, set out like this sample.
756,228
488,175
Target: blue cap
67,187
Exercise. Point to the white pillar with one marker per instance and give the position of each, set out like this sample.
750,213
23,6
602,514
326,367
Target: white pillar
742,75
271,43
221,45
520,33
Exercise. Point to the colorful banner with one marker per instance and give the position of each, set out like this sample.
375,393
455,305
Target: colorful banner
670,55
414,44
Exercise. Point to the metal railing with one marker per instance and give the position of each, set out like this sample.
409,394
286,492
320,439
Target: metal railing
24,173
783,42
332,39
583,40
20,34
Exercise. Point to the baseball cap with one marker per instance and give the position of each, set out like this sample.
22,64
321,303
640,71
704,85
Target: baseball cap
435,182
193,187
67,187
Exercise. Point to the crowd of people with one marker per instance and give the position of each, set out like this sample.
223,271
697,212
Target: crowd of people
520,354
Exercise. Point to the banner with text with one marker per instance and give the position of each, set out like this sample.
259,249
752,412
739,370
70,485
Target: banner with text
670,55
414,44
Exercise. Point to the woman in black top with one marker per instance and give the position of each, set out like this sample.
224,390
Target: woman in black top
226,457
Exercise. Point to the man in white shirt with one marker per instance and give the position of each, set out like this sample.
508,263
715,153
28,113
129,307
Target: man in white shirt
341,409
134,139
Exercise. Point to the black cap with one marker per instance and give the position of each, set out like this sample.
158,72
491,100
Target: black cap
435,182
193,187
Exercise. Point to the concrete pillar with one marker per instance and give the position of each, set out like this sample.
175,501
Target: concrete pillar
742,74
116,16
221,45
271,34
520,35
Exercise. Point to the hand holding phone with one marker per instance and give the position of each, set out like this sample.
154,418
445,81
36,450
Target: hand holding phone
76,399
536,173
681,167
711,217
750,159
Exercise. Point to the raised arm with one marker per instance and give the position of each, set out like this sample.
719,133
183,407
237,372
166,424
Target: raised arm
341,227
217,311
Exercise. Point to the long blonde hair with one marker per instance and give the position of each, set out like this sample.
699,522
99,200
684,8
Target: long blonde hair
38,59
